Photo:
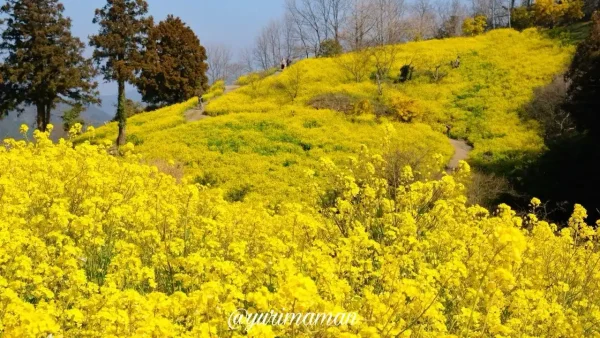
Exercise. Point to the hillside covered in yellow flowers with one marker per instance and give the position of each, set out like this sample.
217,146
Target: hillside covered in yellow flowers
309,190
271,130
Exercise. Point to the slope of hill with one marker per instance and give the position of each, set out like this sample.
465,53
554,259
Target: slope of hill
481,99
269,156
268,136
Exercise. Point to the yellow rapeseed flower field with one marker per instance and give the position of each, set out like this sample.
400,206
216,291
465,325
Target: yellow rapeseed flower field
98,245
93,245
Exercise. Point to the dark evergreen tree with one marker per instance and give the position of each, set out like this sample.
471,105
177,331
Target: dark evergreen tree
173,66
583,100
123,29
43,62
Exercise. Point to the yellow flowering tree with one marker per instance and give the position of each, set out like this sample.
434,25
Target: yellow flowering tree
474,26
551,12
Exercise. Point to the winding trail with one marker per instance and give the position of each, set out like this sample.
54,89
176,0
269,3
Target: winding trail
461,152
197,113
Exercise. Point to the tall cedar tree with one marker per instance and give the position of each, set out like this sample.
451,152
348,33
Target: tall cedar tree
123,29
584,93
43,62
174,67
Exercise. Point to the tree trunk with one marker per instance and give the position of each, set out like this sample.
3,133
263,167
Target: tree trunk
510,7
494,14
41,117
48,109
121,117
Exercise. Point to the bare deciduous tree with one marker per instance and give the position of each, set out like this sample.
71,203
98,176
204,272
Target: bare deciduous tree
219,58
317,20
388,25
308,23
356,64
267,50
547,108
234,71
422,20
497,11
359,25
339,13
247,59
451,15
276,42
293,81
384,58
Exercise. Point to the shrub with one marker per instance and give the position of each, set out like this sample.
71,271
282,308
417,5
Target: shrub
362,107
292,82
406,73
487,189
238,194
330,48
208,179
289,163
136,140
403,108
522,18
546,107
335,101
310,124
474,26
550,13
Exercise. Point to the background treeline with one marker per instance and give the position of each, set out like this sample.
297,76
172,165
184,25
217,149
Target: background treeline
43,64
311,27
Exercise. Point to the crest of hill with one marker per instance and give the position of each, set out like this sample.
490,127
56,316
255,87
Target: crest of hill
481,99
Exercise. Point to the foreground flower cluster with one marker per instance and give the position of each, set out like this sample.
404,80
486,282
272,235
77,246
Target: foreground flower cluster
93,245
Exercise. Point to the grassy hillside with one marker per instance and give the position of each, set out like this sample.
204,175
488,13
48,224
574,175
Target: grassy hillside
481,99
268,139
97,245
268,154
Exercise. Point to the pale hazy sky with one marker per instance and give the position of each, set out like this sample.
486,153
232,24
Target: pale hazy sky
232,22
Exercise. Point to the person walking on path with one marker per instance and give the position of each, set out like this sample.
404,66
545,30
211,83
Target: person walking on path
283,64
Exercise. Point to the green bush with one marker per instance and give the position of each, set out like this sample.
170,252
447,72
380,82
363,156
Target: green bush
207,179
330,48
136,140
238,194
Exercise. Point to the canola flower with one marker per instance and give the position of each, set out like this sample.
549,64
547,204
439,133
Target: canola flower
93,245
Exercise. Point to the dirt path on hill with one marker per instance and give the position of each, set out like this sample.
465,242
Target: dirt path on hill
197,113
461,152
